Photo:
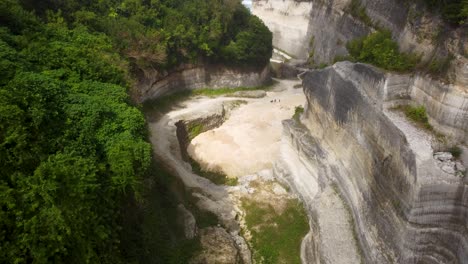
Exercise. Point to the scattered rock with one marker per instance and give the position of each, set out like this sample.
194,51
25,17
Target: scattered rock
279,190
449,167
443,156
266,175
459,166
447,164
461,170
187,220
218,247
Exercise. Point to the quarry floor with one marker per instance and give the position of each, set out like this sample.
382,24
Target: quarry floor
245,147
249,140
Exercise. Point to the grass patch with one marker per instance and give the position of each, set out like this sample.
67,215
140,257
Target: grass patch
218,178
456,151
418,115
166,103
298,111
338,58
276,238
194,130
438,67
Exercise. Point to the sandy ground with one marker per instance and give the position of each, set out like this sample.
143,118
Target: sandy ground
249,141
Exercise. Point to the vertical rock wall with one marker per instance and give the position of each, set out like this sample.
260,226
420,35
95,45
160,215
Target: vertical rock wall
320,29
405,208
153,84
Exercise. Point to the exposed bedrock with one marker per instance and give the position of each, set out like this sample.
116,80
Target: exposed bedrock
403,206
446,105
320,29
153,84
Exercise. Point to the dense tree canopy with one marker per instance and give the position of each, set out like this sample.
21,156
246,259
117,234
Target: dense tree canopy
72,148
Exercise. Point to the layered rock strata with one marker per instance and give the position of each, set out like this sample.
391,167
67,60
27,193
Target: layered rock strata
318,30
153,84
404,207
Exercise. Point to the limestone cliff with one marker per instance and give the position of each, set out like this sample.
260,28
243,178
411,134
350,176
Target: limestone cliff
319,30
404,206
153,84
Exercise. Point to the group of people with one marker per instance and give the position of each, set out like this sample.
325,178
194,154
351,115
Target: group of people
275,100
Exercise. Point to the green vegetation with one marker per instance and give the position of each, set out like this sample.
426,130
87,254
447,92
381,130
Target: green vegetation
311,52
338,58
322,65
439,67
166,103
165,33
454,12
298,111
456,151
417,114
380,50
194,130
214,176
73,151
356,9
151,224
276,236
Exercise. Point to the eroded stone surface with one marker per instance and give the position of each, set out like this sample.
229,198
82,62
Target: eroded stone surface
406,209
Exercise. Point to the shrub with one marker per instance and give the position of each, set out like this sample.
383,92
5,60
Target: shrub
418,115
439,67
276,236
456,151
299,110
379,49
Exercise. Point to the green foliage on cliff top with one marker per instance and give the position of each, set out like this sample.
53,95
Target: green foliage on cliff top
380,50
72,148
166,33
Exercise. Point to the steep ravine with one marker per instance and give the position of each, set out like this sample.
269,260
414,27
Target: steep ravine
372,188
376,187
239,136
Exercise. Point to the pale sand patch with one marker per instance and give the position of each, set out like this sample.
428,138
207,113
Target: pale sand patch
249,141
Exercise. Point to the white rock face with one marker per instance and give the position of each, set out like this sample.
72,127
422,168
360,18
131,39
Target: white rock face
443,156
408,205
331,25
155,84
289,22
